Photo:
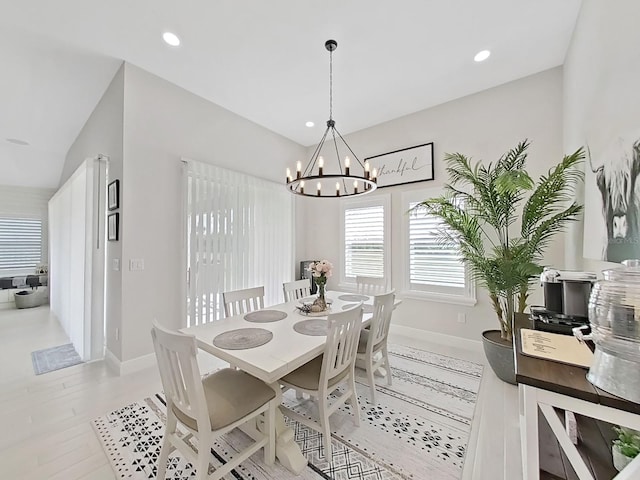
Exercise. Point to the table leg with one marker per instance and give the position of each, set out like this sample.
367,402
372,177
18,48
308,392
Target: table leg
287,450
529,432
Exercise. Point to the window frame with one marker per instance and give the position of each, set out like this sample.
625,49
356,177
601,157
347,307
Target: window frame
383,200
466,296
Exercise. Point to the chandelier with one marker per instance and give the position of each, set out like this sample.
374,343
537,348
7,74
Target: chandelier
317,179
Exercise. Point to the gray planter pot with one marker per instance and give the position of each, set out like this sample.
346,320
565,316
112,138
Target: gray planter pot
499,353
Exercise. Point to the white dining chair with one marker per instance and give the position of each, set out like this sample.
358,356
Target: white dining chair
296,290
373,341
238,302
209,407
371,285
322,375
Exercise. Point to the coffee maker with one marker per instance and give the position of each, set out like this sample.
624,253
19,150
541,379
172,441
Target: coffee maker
566,300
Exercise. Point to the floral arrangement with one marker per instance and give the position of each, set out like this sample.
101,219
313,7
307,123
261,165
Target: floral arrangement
320,269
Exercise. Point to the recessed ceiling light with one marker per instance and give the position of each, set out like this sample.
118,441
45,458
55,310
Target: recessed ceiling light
17,141
309,124
171,39
482,56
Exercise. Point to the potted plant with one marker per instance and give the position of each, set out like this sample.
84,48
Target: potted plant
625,448
502,221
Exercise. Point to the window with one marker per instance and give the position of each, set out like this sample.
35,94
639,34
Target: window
365,236
20,244
434,270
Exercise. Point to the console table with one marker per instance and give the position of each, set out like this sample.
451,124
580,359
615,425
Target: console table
543,386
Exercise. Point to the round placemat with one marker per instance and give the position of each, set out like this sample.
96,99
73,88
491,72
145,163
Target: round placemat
265,316
353,298
315,327
242,338
367,308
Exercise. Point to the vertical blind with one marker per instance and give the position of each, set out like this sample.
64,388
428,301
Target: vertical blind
364,241
431,263
239,235
20,243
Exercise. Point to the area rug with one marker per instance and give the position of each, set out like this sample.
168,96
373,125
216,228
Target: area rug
54,358
419,429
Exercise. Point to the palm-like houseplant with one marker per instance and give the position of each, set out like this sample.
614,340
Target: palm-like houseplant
502,220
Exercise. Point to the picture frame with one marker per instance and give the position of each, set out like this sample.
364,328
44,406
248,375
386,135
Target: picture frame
407,165
113,227
113,195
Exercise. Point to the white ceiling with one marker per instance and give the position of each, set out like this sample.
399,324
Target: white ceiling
264,60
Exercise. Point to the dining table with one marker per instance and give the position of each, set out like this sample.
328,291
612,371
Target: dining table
286,339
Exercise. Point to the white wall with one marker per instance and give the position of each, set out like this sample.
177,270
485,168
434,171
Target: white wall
484,126
103,134
163,123
31,202
601,78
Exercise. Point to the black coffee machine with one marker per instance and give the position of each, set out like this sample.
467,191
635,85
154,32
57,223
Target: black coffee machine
566,300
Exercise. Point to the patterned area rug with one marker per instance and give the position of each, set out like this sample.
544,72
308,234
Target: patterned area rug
54,358
419,429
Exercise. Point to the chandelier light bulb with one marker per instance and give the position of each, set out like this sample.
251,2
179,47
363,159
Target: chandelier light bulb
319,188
320,165
302,186
355,186
347,164
375,173
288,175
337,189
298,169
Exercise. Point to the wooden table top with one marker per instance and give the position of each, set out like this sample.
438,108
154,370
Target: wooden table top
559,377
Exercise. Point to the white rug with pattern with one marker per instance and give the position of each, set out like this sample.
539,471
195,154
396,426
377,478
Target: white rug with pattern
419,429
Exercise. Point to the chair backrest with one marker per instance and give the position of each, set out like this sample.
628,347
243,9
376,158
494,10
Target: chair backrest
179,372
382,310
296,290
342,343
238,302
371,285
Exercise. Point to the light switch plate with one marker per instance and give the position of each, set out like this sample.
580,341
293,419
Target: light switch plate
136,264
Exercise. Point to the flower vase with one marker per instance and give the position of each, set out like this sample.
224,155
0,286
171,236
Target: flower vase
320,301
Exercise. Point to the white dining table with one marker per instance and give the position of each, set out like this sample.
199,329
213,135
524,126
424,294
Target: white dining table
285,352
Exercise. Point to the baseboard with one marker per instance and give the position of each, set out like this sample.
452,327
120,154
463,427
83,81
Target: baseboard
129,366
435,337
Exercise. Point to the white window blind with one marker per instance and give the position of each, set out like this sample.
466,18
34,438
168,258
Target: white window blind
432,263
239,235
364,241
20,243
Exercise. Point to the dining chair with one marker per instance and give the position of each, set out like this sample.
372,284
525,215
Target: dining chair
209,407
373,341
371,285
322,375
296,290
237,302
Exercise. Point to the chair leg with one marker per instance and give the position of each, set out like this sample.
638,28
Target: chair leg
372,380
169,430
202,463
385,353
354,401
326,428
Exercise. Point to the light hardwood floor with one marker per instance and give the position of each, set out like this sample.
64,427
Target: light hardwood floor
46,432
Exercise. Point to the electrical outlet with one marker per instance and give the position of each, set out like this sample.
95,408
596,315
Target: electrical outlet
136,264
462,318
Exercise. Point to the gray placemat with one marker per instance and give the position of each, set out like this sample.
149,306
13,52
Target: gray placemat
265,316
315,327
353,298
367,308
242,338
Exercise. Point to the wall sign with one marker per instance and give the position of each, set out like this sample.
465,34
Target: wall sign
409,165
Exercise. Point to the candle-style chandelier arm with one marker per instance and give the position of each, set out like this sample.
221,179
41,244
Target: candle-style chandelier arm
316,153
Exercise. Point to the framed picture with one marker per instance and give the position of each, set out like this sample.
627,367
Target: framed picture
409,165
113,225
113,195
